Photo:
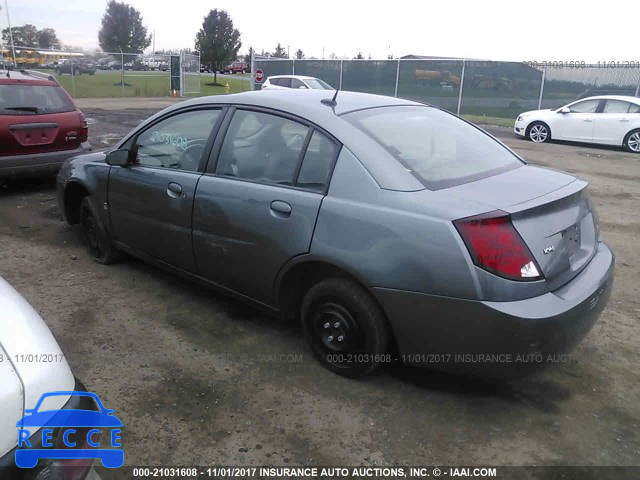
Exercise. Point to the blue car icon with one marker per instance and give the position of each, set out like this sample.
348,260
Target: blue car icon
73,427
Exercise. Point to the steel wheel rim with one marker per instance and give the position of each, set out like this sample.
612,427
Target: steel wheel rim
634,142
335,332
538,133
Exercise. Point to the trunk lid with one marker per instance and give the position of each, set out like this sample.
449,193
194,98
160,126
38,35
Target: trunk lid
551,211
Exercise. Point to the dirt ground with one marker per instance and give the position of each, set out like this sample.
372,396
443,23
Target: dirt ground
198,379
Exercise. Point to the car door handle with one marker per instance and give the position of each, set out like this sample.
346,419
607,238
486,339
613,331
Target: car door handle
281,208
624,120
174,190
588,120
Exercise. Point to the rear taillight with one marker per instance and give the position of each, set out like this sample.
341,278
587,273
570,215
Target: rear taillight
495,246
84,129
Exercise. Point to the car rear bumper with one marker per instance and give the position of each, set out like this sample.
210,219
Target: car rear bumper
498,339
41,163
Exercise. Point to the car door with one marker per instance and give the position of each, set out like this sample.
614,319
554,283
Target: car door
614,122
577,125
256,207
151,201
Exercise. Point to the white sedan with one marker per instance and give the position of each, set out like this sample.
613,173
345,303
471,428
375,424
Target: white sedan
607,120
279,82
31,363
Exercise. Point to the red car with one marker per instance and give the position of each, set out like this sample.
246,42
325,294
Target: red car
40,126
237,67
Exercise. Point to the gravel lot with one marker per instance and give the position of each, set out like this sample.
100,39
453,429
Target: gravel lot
199,379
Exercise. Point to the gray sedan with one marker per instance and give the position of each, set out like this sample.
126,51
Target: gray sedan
391,229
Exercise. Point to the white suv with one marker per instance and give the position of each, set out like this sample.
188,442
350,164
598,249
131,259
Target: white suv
279,82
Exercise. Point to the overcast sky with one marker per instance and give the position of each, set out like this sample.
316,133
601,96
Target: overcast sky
542,30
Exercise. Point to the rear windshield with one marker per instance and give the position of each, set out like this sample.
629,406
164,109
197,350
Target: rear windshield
438,148
22,99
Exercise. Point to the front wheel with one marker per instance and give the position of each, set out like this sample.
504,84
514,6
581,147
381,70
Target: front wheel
538,132
96,236
345,327
632,141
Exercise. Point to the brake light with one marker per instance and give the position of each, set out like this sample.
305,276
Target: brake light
84,128
495,246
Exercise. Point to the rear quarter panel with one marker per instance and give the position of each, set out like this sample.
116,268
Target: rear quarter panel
399,240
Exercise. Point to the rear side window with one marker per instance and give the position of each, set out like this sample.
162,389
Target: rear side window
317,163
24,99
262,147
436,147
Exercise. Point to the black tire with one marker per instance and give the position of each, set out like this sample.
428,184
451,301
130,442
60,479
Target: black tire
96,236
345,328
632,141
538,132
58,71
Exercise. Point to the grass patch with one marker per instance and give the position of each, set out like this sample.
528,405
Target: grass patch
484,120
144,84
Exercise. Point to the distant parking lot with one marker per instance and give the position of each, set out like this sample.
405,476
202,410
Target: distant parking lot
198,379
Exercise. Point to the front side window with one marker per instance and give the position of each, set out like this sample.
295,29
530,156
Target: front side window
177,142
588,106
436,147
262,147
24,99
295,83
318,84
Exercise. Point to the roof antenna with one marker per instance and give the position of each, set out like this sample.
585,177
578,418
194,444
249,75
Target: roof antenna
332,102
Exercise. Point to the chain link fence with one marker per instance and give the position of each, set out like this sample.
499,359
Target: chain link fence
114,74
466,87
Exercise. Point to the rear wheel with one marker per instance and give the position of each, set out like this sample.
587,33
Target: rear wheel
345,327
538,132
97,239
632,141
57,71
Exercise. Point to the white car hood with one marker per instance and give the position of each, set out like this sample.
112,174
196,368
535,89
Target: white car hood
33,364
538,113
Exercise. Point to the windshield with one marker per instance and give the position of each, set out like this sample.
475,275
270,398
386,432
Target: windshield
24,99
437,147
318,84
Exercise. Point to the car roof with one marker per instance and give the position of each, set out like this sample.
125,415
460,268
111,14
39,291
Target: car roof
625,98
300,77
24,76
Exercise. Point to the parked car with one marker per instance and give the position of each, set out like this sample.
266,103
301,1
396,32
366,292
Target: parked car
237,67
605,120
23,333
114,65
205,69
75,67
49,65
40,126
295,81
383,224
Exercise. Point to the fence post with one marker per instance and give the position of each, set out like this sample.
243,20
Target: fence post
293,66
395,94
122,76
544,74
253,69
340,83
73,80
464,65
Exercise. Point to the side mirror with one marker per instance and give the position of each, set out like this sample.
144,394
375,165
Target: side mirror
302,86
564,110
118,158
